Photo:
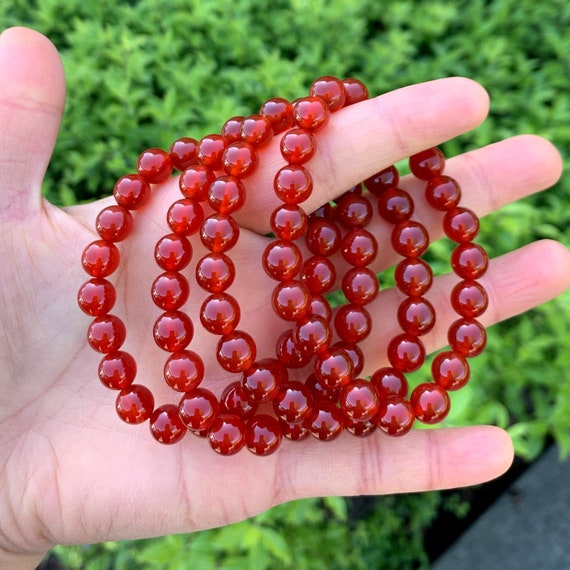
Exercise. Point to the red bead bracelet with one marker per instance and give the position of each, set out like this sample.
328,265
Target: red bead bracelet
267,401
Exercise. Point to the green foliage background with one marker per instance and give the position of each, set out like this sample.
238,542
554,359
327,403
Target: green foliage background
144,72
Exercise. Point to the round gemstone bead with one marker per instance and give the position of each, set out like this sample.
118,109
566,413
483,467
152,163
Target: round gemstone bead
318,274
195,181
355,353
443,193
117,370
430,403
388,382
210,151
360,285
469,261
262,381
256,130
354,211
240,159
173,331
427,164
326,421
413,277
198,409
469,298
312,335
227,434
355,91
134,404
287,352
183,153
323,237
298,146
185,216
173,252
416,316
331,90
293,184
289,222
352,323
236,351
220,313
226,194
96,297
382,181
235,401
467,336
321,307
100,258
279,112
311,113
114,223
293,402
231,129
263,435
359,247
406,353
215,272
131,191
395,205
319,392
282,260
461,224
395,416
450,370
184,371
170,291
291,300
410,239
219,233
358,400
166,425
154,165
106,334
333,369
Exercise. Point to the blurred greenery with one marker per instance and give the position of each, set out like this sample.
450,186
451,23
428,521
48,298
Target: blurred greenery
144,72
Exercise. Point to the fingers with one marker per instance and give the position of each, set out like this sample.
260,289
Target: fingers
32,94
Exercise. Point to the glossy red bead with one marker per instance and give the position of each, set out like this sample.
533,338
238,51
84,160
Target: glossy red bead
352,323
106,334
416,316
170,291
382,181
173,252
219,233
291,300
293,184
467,336
318,274
360,285
287,352
295,431
282,260
210,151
413,277
256,130
184,371
185,216
461,224
173,331
388,382
320,392
114,223
395,205
298,146
360,428
96,297
227,434
231,129
263,435
166,425
443,193
469,261
323,237
198,409
195,181
293,402
410,239
326,421
235,400
220,313
331,90
240,159
355,91
154,165
215,272
312,335
226,194
321,307
333,369
100,258
262,381
450,370
406,353
354,211
236,351
279,112
469,298
395,416
358,400
430,403
427,164
134,404
359,247
289,222
183,153
354,352
117,370
311,113
131,191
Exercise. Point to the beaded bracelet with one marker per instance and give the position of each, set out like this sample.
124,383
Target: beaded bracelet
334,397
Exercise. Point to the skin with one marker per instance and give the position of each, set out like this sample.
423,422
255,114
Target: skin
71,471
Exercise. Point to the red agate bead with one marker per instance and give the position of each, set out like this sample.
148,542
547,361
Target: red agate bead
333,368
311,113
215,272
318,274
114,223
263,435
413,277
430,403
395,416
231,129
443,193
382,181
467,336
226,194
355,91
410,239
293,402
170,290
236,351
291,300
282,260
279,112
331,90
359,247
256,130
166,425
235,400
354,211
388,382
355,354
427,164
240,159
183,153
360,285
352,323
173,252
117,370
469,298
227,434
326,421
359,400
288,353
469,261
289,222
198,409
406,353
416,316
135,404
100,258
320,306
131,191
184,371
293,184
461,224
220,313
320,392
210,151
312,335
450,370
106,334
395,205
185,216
173,331
195,181
261,382
323,237
298,146
96,297
219,232
154,165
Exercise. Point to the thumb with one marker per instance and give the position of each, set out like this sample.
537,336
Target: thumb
32,98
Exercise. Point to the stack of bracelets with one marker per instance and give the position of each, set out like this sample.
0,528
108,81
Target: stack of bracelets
334,397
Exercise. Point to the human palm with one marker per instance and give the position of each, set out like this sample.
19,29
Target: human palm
71,471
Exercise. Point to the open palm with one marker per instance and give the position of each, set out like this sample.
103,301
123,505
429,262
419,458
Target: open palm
71,471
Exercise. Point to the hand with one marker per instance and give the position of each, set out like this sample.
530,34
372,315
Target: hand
71,471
